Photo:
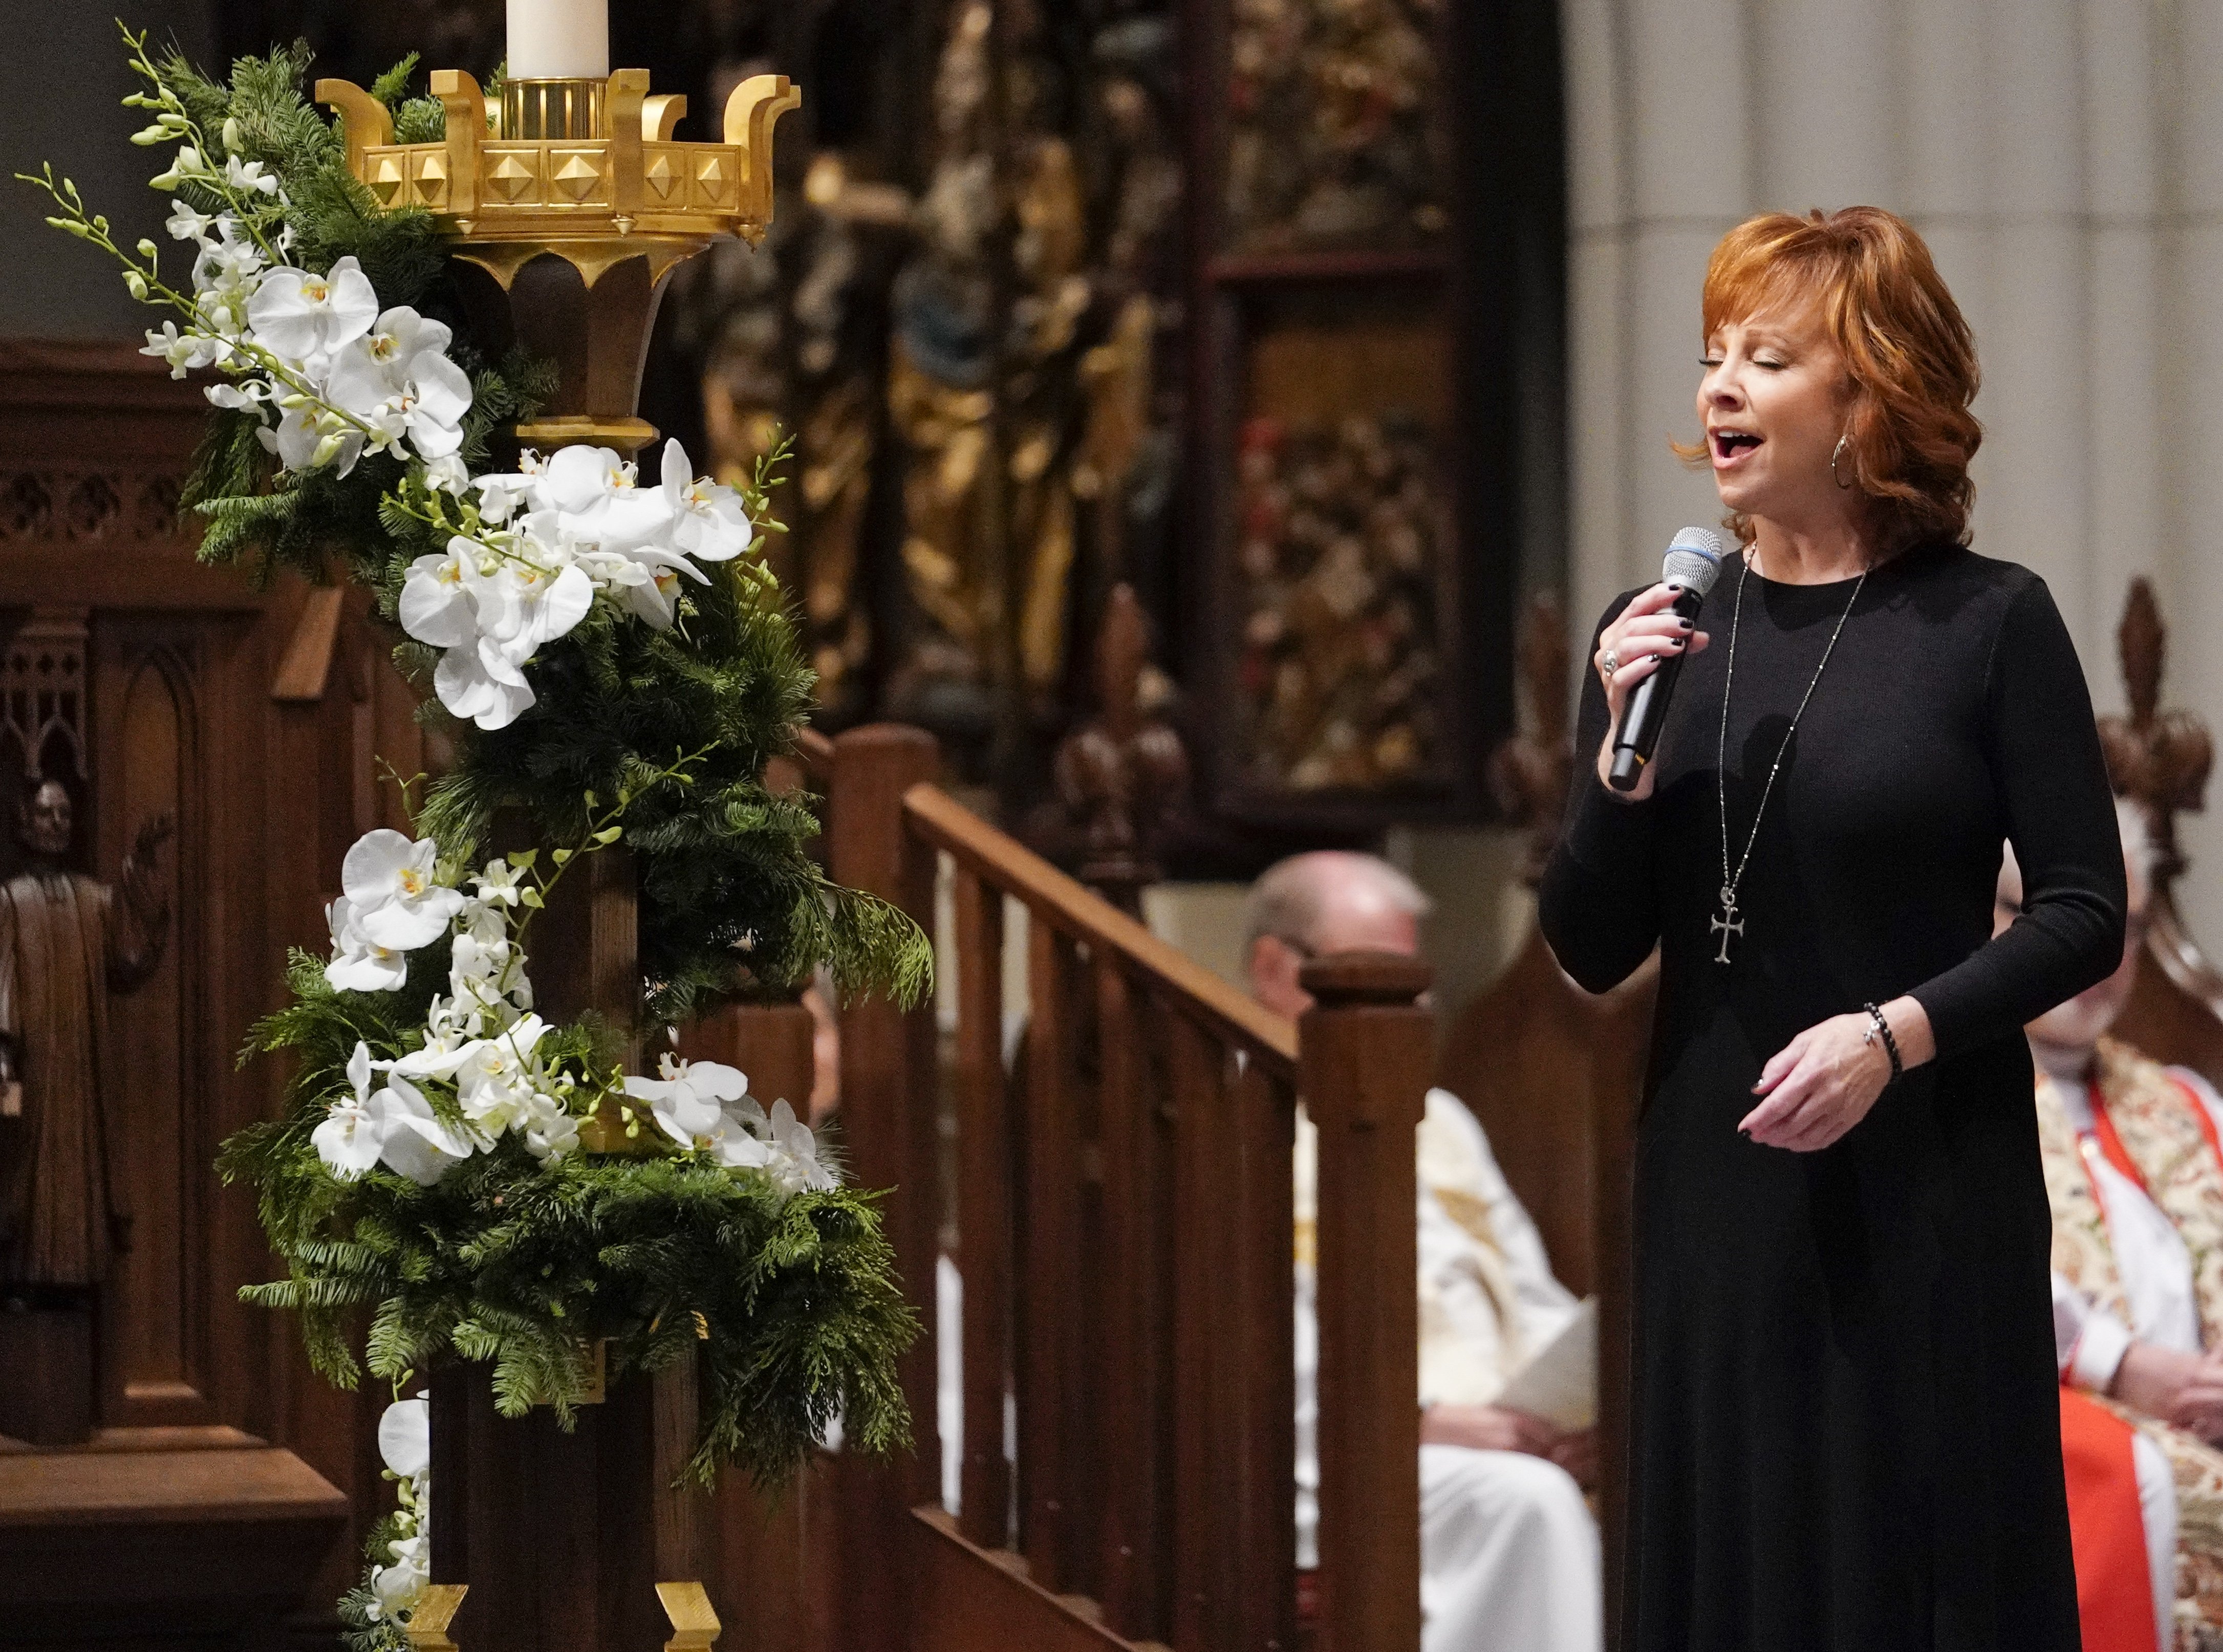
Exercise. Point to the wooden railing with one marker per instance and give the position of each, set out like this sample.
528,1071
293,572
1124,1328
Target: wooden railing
1124,1217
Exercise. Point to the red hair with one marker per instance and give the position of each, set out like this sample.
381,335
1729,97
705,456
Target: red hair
1909,433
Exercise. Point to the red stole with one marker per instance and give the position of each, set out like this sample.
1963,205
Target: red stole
2107,1530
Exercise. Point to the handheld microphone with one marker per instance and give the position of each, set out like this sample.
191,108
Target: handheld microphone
1694,563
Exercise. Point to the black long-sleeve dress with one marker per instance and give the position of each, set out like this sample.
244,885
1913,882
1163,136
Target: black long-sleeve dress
1846,1428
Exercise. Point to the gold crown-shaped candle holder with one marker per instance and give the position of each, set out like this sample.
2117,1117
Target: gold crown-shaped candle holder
569,204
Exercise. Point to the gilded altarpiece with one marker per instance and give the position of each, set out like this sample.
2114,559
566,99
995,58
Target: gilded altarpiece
1378,295
967,320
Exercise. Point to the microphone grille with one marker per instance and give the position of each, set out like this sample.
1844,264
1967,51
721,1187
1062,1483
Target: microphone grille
1694,560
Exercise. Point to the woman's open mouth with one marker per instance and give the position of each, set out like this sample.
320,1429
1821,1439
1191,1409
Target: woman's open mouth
1731,445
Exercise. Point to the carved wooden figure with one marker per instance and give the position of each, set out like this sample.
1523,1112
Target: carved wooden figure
66,941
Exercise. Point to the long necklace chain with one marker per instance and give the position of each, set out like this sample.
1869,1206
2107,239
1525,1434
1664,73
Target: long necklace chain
1728,923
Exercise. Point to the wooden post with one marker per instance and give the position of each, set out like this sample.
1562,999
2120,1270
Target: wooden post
1364,1051
1208,1343
1129,1346
772,1043
1263,1428
888,1114
984,1209
1053,1423
561,1538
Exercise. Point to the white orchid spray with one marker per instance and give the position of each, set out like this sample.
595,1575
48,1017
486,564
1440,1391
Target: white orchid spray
705,1106
479,1070
404,1443
479,1052
308,354
393,1126
529,552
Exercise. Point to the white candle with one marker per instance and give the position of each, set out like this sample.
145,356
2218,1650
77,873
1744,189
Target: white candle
559,40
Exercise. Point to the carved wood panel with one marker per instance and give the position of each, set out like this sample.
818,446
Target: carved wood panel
146,763
149,685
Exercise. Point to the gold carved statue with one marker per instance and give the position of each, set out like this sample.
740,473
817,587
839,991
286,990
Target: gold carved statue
66,941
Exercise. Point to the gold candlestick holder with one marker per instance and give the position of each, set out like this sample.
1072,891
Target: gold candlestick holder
571,203
567,205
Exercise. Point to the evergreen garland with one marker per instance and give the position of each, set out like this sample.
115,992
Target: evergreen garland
525,1264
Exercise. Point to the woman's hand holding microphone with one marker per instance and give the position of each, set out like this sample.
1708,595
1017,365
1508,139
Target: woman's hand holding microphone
1630,649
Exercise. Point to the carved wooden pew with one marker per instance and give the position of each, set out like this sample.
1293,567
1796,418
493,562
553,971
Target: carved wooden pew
2161,760
1124,1220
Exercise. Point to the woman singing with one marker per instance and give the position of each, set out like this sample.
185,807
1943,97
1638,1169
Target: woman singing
1846,1433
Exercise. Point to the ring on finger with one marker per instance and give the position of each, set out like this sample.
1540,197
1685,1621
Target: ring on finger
1612,661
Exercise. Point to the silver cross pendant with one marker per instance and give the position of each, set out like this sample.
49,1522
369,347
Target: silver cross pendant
1727,924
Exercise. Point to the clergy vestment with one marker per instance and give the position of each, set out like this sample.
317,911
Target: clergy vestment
2134,1175
1508,1549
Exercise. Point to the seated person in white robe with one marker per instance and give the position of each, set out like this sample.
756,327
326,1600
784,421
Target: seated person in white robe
1509,1548
2134,1175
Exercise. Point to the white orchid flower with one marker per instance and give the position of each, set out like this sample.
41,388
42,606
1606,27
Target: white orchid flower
360,964
349,1140
226,276
449,474
183,351
532,597
398,901
496,1085
686,1099
405,1437
794,1164
645,583
306,439
708,518
248,177
249,396
736,1141
484,922
412,1141
479,682
185,225
398,375
301,316
436,607
599,499
439,1057
550,1132
486,973
400,1587
226,268
498,884
499,496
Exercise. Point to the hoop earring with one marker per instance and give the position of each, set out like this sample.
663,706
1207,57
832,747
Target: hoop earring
1835,453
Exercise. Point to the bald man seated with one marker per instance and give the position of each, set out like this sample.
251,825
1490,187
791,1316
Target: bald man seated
1509,1548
